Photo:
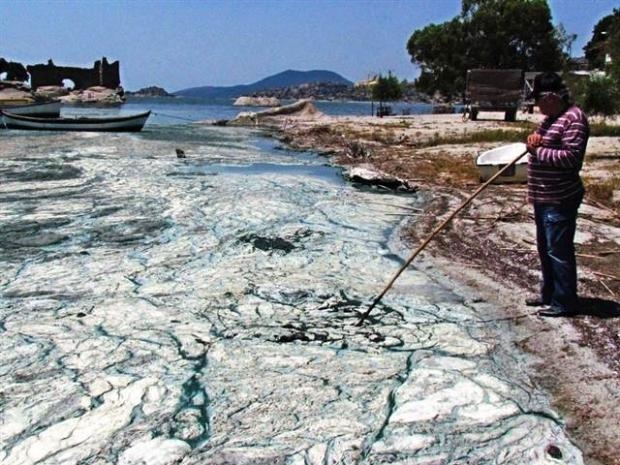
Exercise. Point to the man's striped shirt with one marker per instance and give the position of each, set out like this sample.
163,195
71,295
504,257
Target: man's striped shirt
553,172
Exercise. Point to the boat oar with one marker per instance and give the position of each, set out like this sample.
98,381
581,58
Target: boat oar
435,232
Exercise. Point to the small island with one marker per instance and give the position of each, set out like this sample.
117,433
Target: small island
151,91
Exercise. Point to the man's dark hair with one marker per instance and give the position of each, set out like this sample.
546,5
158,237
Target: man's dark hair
550,82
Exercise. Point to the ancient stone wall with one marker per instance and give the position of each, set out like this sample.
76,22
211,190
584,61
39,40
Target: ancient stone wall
101,74
14,71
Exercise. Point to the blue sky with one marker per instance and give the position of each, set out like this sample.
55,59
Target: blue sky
180,44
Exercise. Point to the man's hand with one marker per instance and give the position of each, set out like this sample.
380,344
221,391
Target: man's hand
534,140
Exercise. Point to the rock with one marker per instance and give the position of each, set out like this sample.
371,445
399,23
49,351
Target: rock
14,85
12,95
51,92
267,244
97,95
257,102
554,451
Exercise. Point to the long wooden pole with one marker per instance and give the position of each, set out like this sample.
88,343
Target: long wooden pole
435,232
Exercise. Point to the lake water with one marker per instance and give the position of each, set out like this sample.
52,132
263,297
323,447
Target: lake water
156,310
170,110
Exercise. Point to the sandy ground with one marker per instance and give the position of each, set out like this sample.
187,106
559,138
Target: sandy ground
489,250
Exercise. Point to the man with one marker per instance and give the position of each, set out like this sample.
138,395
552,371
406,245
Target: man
556,151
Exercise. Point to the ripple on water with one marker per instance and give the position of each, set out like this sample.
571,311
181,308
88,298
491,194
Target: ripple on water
46,171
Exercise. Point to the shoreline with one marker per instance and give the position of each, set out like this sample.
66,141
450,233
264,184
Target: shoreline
489,252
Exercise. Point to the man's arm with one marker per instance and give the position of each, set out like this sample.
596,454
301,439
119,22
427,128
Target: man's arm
574,138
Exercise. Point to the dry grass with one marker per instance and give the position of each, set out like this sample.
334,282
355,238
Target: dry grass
604,130
391,134
446,168
512,132
490,135
602,190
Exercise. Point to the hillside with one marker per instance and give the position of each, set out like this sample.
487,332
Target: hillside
289,78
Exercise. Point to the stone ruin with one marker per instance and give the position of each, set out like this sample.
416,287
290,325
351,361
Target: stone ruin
98,85
14,71
101,74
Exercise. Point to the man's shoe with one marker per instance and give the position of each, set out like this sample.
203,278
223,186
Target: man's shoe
552,311
535,302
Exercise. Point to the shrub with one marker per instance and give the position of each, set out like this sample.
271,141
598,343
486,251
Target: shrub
601,96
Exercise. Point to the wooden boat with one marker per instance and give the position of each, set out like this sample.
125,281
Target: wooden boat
131,123
39,110
491,161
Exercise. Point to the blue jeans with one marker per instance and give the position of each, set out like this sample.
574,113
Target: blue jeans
555,234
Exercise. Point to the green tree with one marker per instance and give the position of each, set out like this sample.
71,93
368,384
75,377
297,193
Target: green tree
487,34
605,35
440,52
387,88
601,96
613,46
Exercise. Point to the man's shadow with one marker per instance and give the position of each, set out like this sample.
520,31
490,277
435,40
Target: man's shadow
599,308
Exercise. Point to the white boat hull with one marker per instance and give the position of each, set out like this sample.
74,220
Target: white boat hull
40,110
491,161
132,123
